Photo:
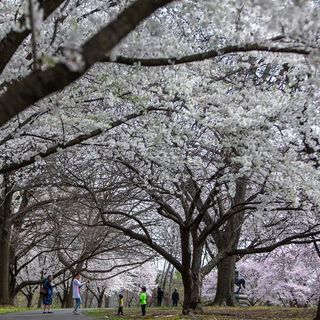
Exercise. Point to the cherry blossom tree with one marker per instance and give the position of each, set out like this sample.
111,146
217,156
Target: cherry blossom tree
287,276
188,133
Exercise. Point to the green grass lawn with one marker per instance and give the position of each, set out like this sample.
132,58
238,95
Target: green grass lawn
9,309
210,313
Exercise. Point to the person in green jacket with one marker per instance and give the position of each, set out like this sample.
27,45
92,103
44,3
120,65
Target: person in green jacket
143,300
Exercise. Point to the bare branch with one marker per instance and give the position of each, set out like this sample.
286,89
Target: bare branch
157,62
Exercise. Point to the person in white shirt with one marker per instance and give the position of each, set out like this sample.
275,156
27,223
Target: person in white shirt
76,285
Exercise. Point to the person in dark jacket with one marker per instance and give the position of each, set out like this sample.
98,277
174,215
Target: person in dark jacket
48,295
175,298
159,296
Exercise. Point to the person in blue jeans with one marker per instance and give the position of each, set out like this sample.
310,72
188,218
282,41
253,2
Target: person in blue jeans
76,286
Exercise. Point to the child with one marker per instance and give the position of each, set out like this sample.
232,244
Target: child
143,300
120,310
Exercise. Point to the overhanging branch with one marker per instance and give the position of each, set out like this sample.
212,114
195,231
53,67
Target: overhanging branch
197,57
39,84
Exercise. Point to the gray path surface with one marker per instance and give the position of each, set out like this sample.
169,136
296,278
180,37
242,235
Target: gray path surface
65,314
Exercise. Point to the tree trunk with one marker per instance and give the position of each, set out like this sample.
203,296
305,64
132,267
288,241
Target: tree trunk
190,273
39,303
192,298
4,266
86,297
229,238
29,299
100,299
69,300
318,311
167,298
225,284
5,235
106,302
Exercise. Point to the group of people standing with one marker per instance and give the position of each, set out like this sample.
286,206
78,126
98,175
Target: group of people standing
47,293
175,297
143,300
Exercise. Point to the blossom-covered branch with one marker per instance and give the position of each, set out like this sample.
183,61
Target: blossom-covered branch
40,84
14,38
75,141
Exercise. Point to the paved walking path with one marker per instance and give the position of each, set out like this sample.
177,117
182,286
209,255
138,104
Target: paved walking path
64,314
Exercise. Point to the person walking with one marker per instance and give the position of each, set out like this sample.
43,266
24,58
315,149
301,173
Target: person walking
143,300
120,309
175,298
76,286
160,293
47,291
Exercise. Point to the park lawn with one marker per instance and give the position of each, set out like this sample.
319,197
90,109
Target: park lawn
210,313
10,309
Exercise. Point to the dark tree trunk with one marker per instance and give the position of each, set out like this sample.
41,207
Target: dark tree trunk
12,285
106,302
29,299
5,236
4,266
191,275
318,311
192,297
69,300
100,299
86,297
229,238
63,298
225,284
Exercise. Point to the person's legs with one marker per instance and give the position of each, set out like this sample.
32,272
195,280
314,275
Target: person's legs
121,310
77,305
45,302
143,309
